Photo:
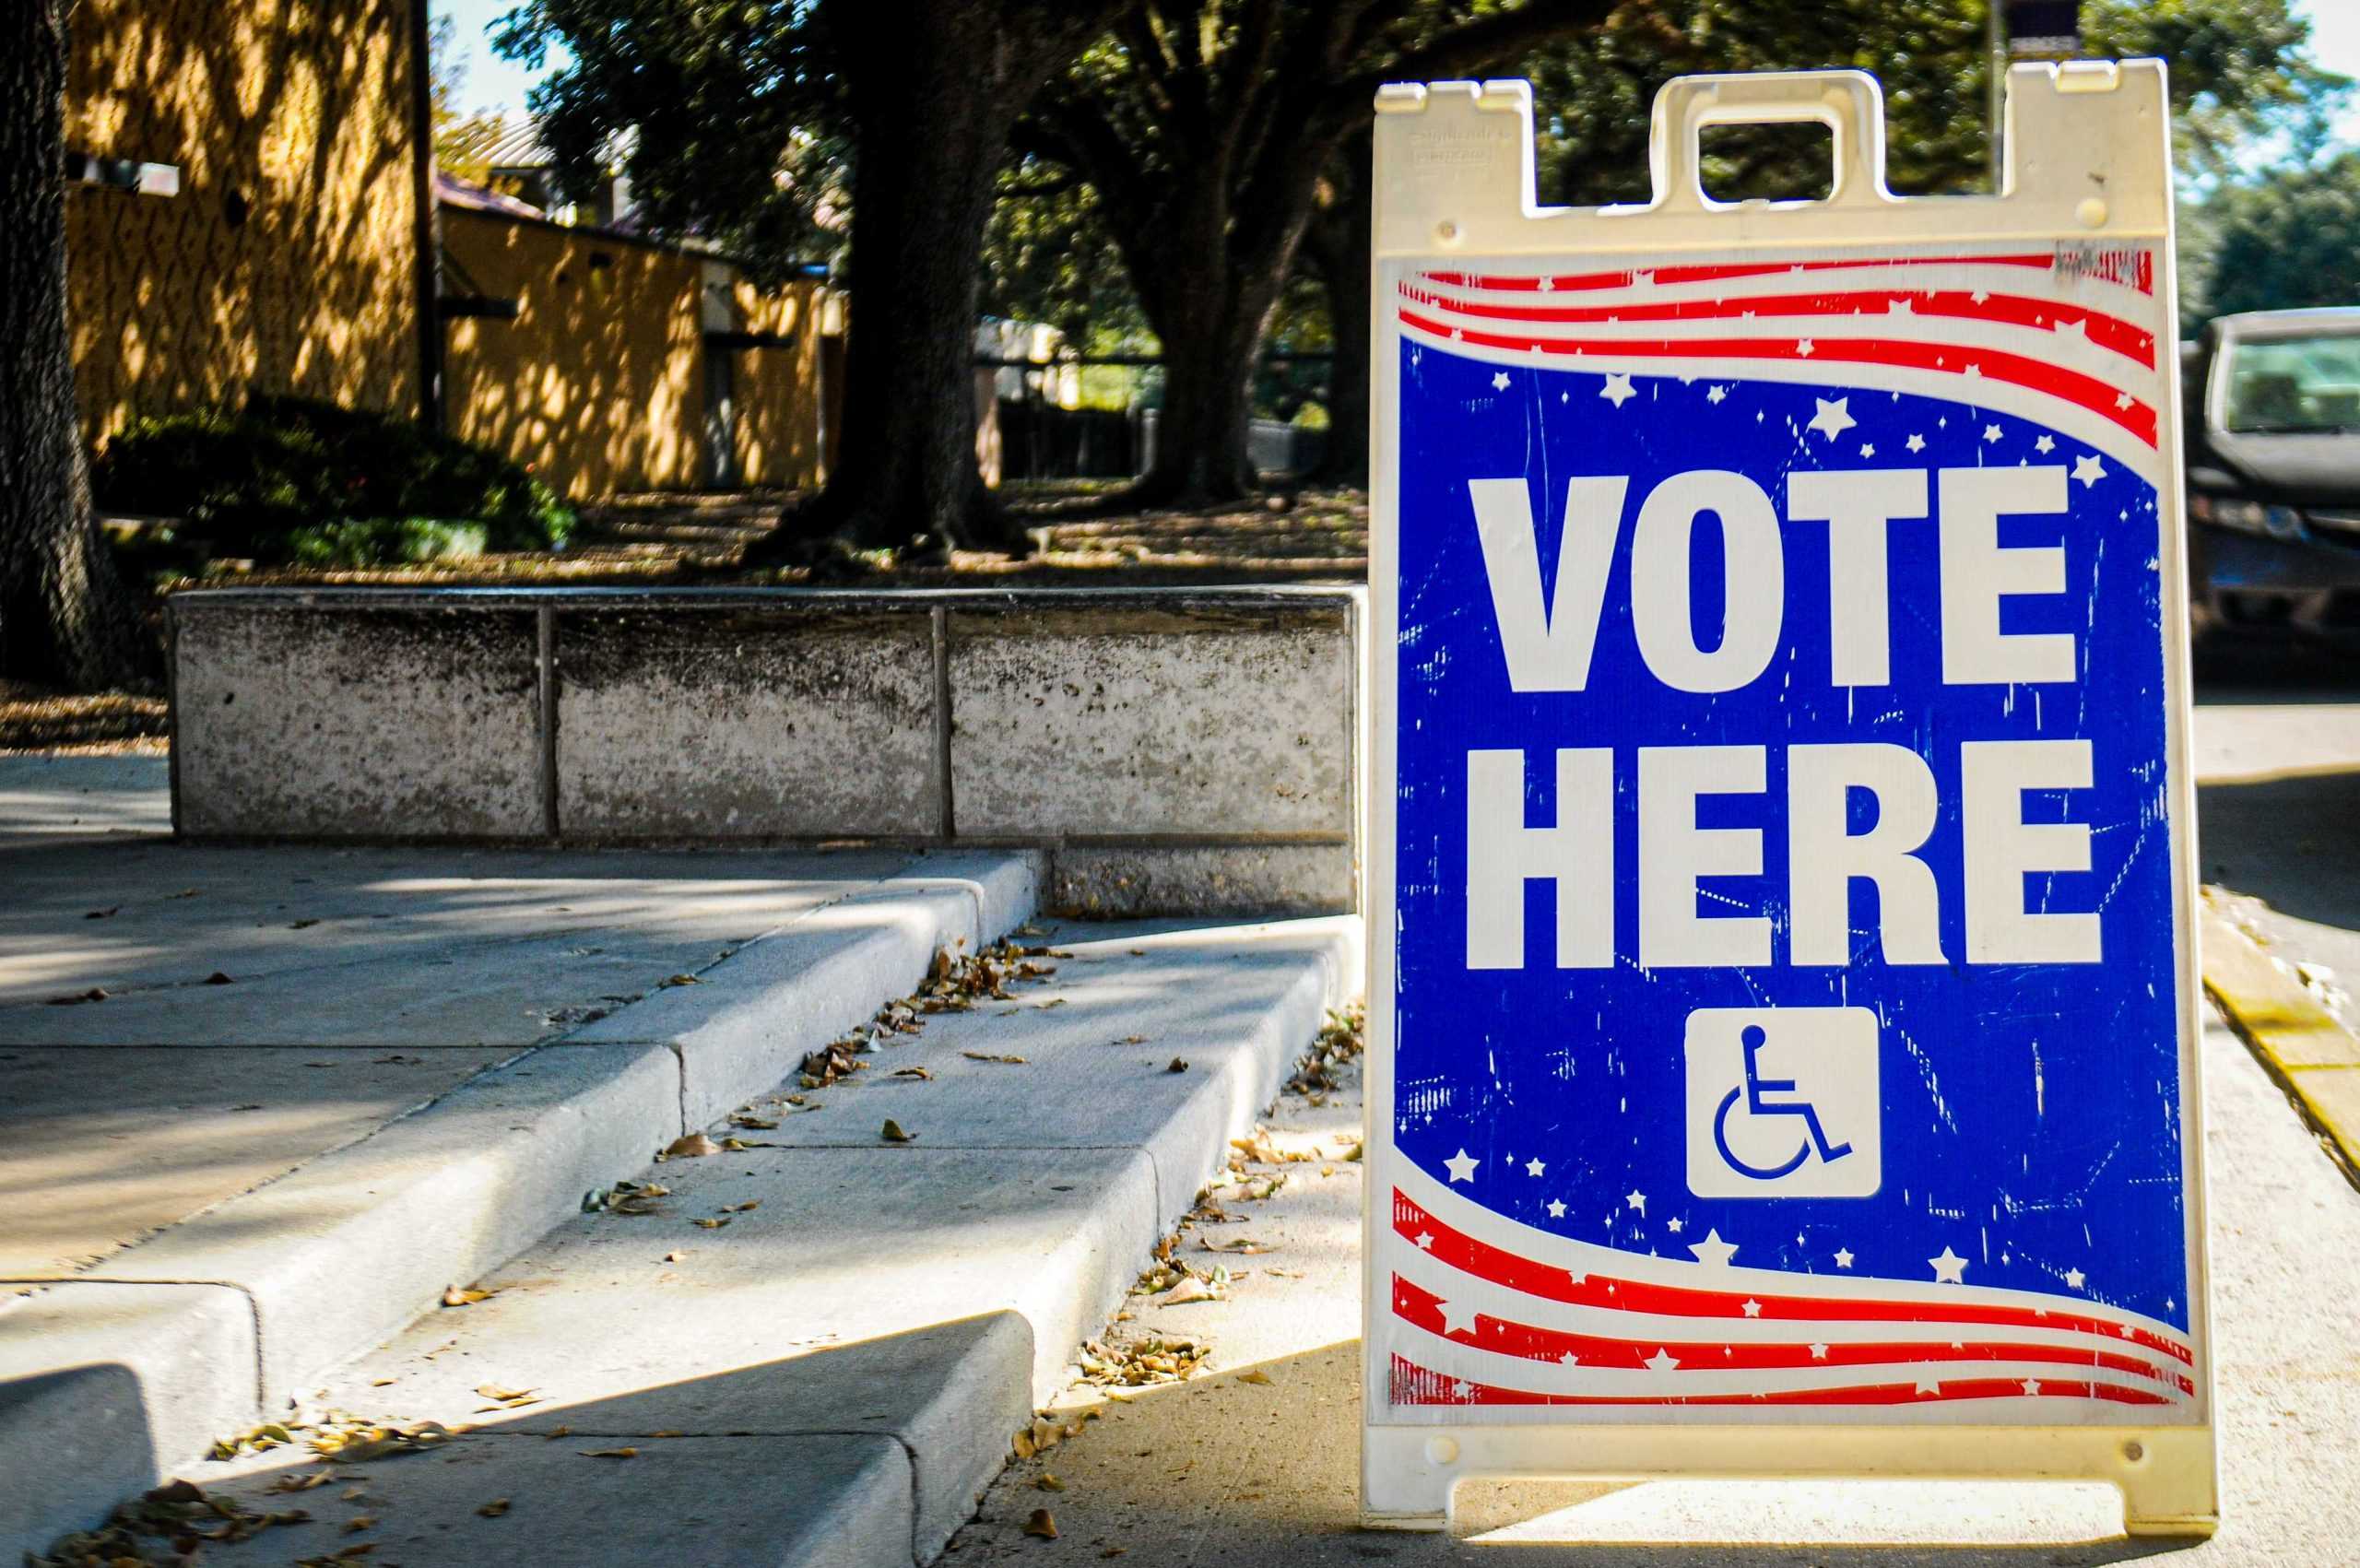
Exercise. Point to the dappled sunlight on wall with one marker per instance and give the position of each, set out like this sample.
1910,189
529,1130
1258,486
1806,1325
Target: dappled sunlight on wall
599,383
287,262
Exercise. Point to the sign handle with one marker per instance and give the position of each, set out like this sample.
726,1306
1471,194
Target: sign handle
1850,103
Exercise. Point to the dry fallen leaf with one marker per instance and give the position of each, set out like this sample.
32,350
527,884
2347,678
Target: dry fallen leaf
302,1483
494,1391
1023,1443
709,1224
217,978
1114,1552
359,1523
610,1453
1048,1483
994,1057
1042,1524
1256,1376
493,1509
892,1132
746,1207
1191,1289
684,980
905,1072
1178,1065
694,1146
457,1296
561,1432
755,1124
675,1256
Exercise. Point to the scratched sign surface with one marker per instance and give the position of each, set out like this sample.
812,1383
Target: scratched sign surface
1787,1008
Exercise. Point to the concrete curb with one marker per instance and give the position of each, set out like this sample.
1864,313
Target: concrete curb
343,1251
2315,1059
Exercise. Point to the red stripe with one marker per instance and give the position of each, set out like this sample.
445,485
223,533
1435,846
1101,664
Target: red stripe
2144,280
2071,386
1958,304
1469,1255
1414,1385
1414,1304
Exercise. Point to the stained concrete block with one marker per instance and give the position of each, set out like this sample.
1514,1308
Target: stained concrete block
752,718
352,718
105,1390
1224,716
343,1249
1119,881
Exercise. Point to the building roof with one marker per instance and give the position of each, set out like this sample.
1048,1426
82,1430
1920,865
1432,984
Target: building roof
452,191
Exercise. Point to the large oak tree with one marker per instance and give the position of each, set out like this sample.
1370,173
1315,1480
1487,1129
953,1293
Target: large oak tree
741,119
66,618
1204,126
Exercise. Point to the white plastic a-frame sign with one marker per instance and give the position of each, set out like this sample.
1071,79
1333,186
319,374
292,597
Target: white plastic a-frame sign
1783,1048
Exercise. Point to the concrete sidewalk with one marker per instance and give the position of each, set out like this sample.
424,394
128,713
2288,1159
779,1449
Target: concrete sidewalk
813,1347
259,1107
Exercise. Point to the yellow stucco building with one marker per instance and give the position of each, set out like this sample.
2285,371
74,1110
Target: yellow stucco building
301,249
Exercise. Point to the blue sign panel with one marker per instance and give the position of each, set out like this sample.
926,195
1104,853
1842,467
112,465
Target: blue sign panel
1787,1002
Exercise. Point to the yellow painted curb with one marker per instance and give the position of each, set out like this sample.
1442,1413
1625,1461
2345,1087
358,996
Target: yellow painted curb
2315,1059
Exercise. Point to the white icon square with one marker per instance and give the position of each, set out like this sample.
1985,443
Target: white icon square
1783,1102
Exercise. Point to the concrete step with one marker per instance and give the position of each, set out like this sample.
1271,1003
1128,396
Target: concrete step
832,1373
115,1376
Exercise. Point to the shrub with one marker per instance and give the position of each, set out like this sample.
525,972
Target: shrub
285,480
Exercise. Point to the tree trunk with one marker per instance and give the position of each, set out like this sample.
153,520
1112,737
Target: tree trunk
1211,300
65,617
1341,230
935,87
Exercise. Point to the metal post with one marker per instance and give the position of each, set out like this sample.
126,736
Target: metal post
1995,42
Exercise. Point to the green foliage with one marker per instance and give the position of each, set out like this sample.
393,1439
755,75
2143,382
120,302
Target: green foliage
2241,69
2282,243
462,141
1048,257
288,480
728,115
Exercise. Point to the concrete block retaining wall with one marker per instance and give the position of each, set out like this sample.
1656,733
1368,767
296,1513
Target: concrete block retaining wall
1174,751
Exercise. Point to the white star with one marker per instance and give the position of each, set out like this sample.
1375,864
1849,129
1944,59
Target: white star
2128,1332
1662,1361
1834,417
1673,1224
2032,1385
1973,372
1843,1257
1618,388
1868,449
1713,1250
1456,1319
2122,400
1500,381
1643,279
1533,1167
1547,286
2044,444
1991,432
1949,1267
1752,1309
2080,329
1715,394
1556,1209
2088,469
1569,1359
1929,1386
1462,1166
1916,444
1426,1242
1899,308
1458,332
1818,1351
1806,348
1636,1199
2073,1278
1455,1389
1980,295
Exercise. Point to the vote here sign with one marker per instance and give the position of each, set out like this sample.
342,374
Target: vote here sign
1780,834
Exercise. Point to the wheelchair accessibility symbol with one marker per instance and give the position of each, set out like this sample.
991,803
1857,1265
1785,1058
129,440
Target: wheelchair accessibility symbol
1783,1102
